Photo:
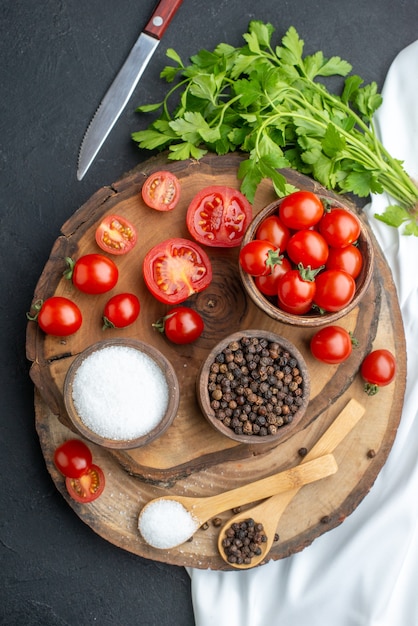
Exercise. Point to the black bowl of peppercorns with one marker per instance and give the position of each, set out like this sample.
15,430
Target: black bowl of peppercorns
254,387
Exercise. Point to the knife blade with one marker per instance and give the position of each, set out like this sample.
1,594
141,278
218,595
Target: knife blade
120,91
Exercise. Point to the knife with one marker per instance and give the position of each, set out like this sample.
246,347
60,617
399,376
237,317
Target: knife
120,91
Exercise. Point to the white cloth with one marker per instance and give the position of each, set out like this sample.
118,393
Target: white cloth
364,572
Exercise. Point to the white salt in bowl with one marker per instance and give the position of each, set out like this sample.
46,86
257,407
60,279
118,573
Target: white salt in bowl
121,393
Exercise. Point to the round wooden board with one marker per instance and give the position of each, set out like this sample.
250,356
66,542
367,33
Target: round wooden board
191,458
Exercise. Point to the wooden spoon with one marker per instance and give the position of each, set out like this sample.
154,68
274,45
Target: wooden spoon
270,511
202,509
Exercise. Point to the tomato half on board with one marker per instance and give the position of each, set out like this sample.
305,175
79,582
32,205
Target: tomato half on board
88,487
161,191
218,216
116,235
175,269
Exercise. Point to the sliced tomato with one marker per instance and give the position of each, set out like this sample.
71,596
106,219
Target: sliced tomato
219,216
88,487
116,235
161,191
175,269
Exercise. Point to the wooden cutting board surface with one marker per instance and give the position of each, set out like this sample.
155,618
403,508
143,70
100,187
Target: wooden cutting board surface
191,458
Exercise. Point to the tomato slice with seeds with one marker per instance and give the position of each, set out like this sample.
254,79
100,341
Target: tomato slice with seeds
175,269
88,487
161,191
218,216
116,235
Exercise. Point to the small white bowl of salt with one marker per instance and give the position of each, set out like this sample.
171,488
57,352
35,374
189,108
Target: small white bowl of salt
121,393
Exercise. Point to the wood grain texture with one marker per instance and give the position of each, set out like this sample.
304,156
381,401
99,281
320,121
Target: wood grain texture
191,458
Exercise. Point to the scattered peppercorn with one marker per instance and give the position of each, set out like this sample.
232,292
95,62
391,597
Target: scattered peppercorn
255,386
236,510
325,519
242,541
303,451
204,526
371,454
217,522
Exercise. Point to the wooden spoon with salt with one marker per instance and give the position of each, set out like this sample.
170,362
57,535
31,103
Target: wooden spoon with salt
202,509
270,511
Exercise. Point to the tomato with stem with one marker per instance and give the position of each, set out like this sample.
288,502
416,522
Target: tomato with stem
181,325
175,269
218,216
121,311
378,369
267,285
332,344
161,191
56,316
334,290
301,210
92,273
258,257
296,291
273,230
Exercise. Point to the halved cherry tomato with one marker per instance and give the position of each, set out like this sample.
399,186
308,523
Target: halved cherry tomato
301,209
176,269
378,370
334,290
296,291
181,325
273,230
309,248
116,235
332,344
258,257
218,216
73,458
268,284
121,310
57,316
92,273
339,227
161,191
348,259
88,487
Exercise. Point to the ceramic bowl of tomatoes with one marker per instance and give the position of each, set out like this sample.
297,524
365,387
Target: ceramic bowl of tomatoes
306,259
254,387
121,393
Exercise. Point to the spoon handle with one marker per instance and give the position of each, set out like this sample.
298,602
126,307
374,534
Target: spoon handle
288,480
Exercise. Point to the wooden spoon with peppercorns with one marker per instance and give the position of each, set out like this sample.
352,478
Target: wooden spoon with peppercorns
257,526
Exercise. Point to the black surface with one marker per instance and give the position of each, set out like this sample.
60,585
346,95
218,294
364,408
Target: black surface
57,59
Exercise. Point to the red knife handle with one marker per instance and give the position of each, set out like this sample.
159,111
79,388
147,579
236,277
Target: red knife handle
161,17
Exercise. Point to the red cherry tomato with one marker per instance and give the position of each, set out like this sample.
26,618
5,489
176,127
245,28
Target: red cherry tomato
161,191
309,248
273,230
334,290
268,284
339,227
116,235
57,316
258,257
295,293
300,210
93,273
175,269
348,259
73,458
181,325
218,216
332,344
121,310
378,370
88,487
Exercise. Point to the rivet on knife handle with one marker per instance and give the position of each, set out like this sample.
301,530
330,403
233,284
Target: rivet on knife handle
162,17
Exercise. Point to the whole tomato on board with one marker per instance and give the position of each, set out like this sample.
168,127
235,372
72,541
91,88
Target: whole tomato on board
56,316
258,257
301,210
116,235
334,290
309,248
378,369
332,344
175,269
92,273
181,325
218,216
273,230
339,227
121,310
161,191
84,480
348,259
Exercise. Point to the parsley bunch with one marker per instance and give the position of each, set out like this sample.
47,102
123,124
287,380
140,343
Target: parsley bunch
265,101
